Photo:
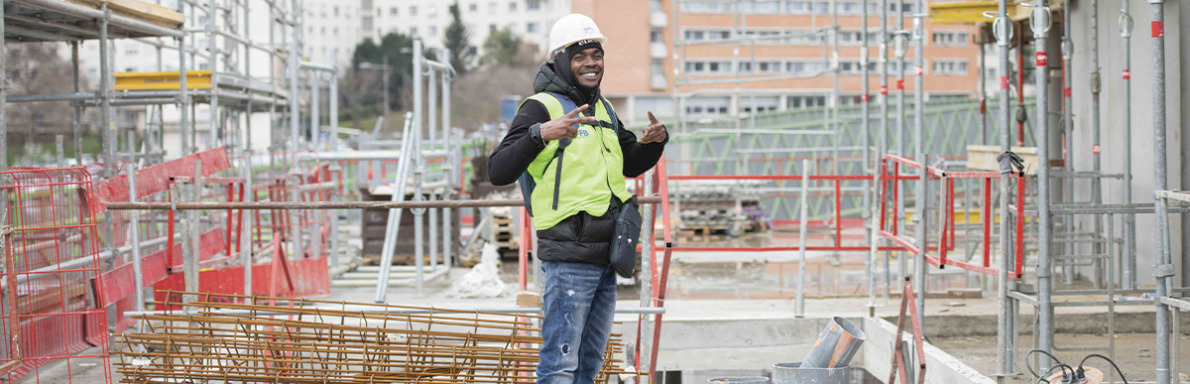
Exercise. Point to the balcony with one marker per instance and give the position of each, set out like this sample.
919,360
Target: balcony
657,51
658,19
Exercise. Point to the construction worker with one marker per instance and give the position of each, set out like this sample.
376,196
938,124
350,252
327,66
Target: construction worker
568,141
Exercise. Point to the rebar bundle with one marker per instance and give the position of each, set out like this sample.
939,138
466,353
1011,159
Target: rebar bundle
243,339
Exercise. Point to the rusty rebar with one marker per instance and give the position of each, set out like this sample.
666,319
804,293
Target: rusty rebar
292,341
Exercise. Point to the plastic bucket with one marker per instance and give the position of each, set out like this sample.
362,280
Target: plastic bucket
739,380
836,345
793,373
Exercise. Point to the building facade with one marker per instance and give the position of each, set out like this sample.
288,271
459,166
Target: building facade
735,57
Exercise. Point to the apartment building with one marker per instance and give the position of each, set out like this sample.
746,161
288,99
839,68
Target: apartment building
789,54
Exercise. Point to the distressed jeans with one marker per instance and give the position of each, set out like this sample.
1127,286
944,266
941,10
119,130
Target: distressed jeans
580,302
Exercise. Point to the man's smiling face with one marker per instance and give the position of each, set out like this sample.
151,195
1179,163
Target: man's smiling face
587,67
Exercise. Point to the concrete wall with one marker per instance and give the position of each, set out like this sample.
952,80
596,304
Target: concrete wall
1177,43
941,368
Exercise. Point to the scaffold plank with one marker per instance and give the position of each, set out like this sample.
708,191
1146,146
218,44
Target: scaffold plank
145,11
156,81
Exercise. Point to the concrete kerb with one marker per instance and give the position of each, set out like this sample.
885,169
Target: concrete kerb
941,367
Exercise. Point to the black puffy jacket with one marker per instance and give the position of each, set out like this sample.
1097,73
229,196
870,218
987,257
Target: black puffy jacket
582,237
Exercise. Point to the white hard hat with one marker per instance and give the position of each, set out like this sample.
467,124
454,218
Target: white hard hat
571,29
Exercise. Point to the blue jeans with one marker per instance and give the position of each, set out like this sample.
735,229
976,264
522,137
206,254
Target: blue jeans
580,303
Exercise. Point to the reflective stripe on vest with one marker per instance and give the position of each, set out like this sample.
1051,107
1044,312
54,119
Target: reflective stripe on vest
592,169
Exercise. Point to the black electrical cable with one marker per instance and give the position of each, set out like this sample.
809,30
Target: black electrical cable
1113,364
1059,361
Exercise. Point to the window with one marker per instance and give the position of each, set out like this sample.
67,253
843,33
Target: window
707,6
392,11
432,11
654,5
433,30
949,38
702,67
336,31
512,6
759,104
655,36
336,11
708,105
413,10
413,31
473,8
759,6
804,101
533,5
491,28
530,27
492,7
949,67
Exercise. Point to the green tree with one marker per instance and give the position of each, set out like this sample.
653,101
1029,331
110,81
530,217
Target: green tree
501,48
397,50
458,42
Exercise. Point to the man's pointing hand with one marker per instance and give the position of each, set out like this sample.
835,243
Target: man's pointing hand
655,132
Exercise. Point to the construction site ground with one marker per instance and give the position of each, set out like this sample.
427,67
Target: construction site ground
716,295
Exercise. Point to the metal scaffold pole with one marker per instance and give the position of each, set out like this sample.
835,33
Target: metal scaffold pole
919,147
1129,263
1039,22
882,63
1163,269
900,48
1096,163
868,168
1068,134
1002,28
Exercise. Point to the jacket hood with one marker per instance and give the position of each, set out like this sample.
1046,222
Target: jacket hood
549,80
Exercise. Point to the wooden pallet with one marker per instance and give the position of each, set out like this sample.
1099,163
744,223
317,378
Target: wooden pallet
703,232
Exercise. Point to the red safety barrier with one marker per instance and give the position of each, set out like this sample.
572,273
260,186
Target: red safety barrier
890,168
836,197
898,367
51,258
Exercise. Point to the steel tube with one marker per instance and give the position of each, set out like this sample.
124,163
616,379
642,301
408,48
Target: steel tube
52,97
1004,317
334,147
134,241
800,308
920,149
299,205
1096,161
1163,268
899,50
1040,24
921,237
392,227
1129,252
1068,131
867,155
454,158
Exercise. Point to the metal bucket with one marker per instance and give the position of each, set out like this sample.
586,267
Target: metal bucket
836,345
793,373
739,380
